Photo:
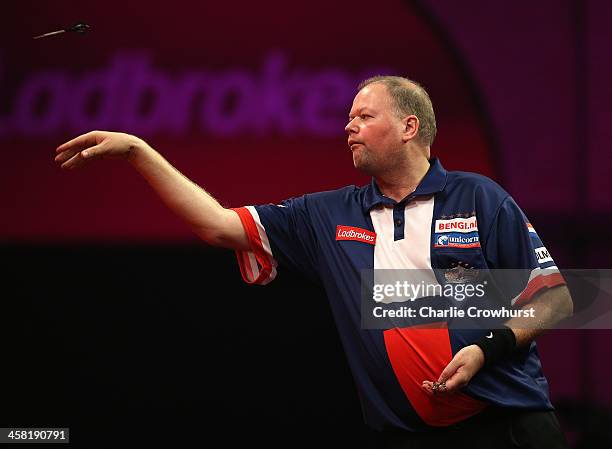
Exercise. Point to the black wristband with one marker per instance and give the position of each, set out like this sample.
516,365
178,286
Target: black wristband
497,344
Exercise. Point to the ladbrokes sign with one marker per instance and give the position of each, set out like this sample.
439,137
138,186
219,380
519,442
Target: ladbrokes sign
131,93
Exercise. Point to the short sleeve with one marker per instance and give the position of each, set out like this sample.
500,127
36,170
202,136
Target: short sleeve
278,234
513,245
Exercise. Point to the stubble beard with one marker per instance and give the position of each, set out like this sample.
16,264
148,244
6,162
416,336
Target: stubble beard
362,161
368,164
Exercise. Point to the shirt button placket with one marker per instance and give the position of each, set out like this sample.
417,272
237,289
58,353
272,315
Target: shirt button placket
398,220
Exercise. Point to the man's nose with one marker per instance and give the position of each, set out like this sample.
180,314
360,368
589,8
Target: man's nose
350,127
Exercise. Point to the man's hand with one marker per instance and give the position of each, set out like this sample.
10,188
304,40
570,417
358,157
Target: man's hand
466,363
96,145
209,220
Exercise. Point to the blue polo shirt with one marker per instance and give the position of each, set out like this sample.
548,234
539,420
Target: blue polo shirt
452,219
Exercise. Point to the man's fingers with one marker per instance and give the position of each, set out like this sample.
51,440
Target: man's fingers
435,388
80,143
452,379
454,383
93,152
450,369
74,159
65,155
427,386
456,374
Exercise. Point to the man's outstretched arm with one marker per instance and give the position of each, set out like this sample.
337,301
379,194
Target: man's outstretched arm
209,220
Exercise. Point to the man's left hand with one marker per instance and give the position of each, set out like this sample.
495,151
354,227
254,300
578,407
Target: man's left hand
466,363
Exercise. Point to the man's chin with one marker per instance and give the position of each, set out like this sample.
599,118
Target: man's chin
362,166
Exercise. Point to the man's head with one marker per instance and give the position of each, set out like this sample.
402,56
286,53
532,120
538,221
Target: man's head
389,115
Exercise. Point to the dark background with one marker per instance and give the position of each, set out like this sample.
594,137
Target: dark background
121,325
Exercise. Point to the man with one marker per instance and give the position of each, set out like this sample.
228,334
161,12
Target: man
420,387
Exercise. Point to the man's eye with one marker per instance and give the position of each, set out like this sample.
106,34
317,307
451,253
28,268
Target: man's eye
365,116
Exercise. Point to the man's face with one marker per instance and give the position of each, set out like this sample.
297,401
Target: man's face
374,130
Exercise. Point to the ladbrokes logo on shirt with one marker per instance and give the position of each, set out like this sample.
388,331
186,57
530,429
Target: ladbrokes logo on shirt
356,234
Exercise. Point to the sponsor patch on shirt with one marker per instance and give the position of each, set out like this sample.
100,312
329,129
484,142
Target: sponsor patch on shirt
464,225
457,240
356,234
531,229
543,255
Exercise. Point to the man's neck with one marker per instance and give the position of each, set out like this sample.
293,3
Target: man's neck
403,180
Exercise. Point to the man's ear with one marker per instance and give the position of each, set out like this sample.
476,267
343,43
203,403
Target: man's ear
411,127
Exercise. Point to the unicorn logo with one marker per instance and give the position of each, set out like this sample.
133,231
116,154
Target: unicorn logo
442,240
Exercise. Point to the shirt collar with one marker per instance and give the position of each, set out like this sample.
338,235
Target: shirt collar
433,182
